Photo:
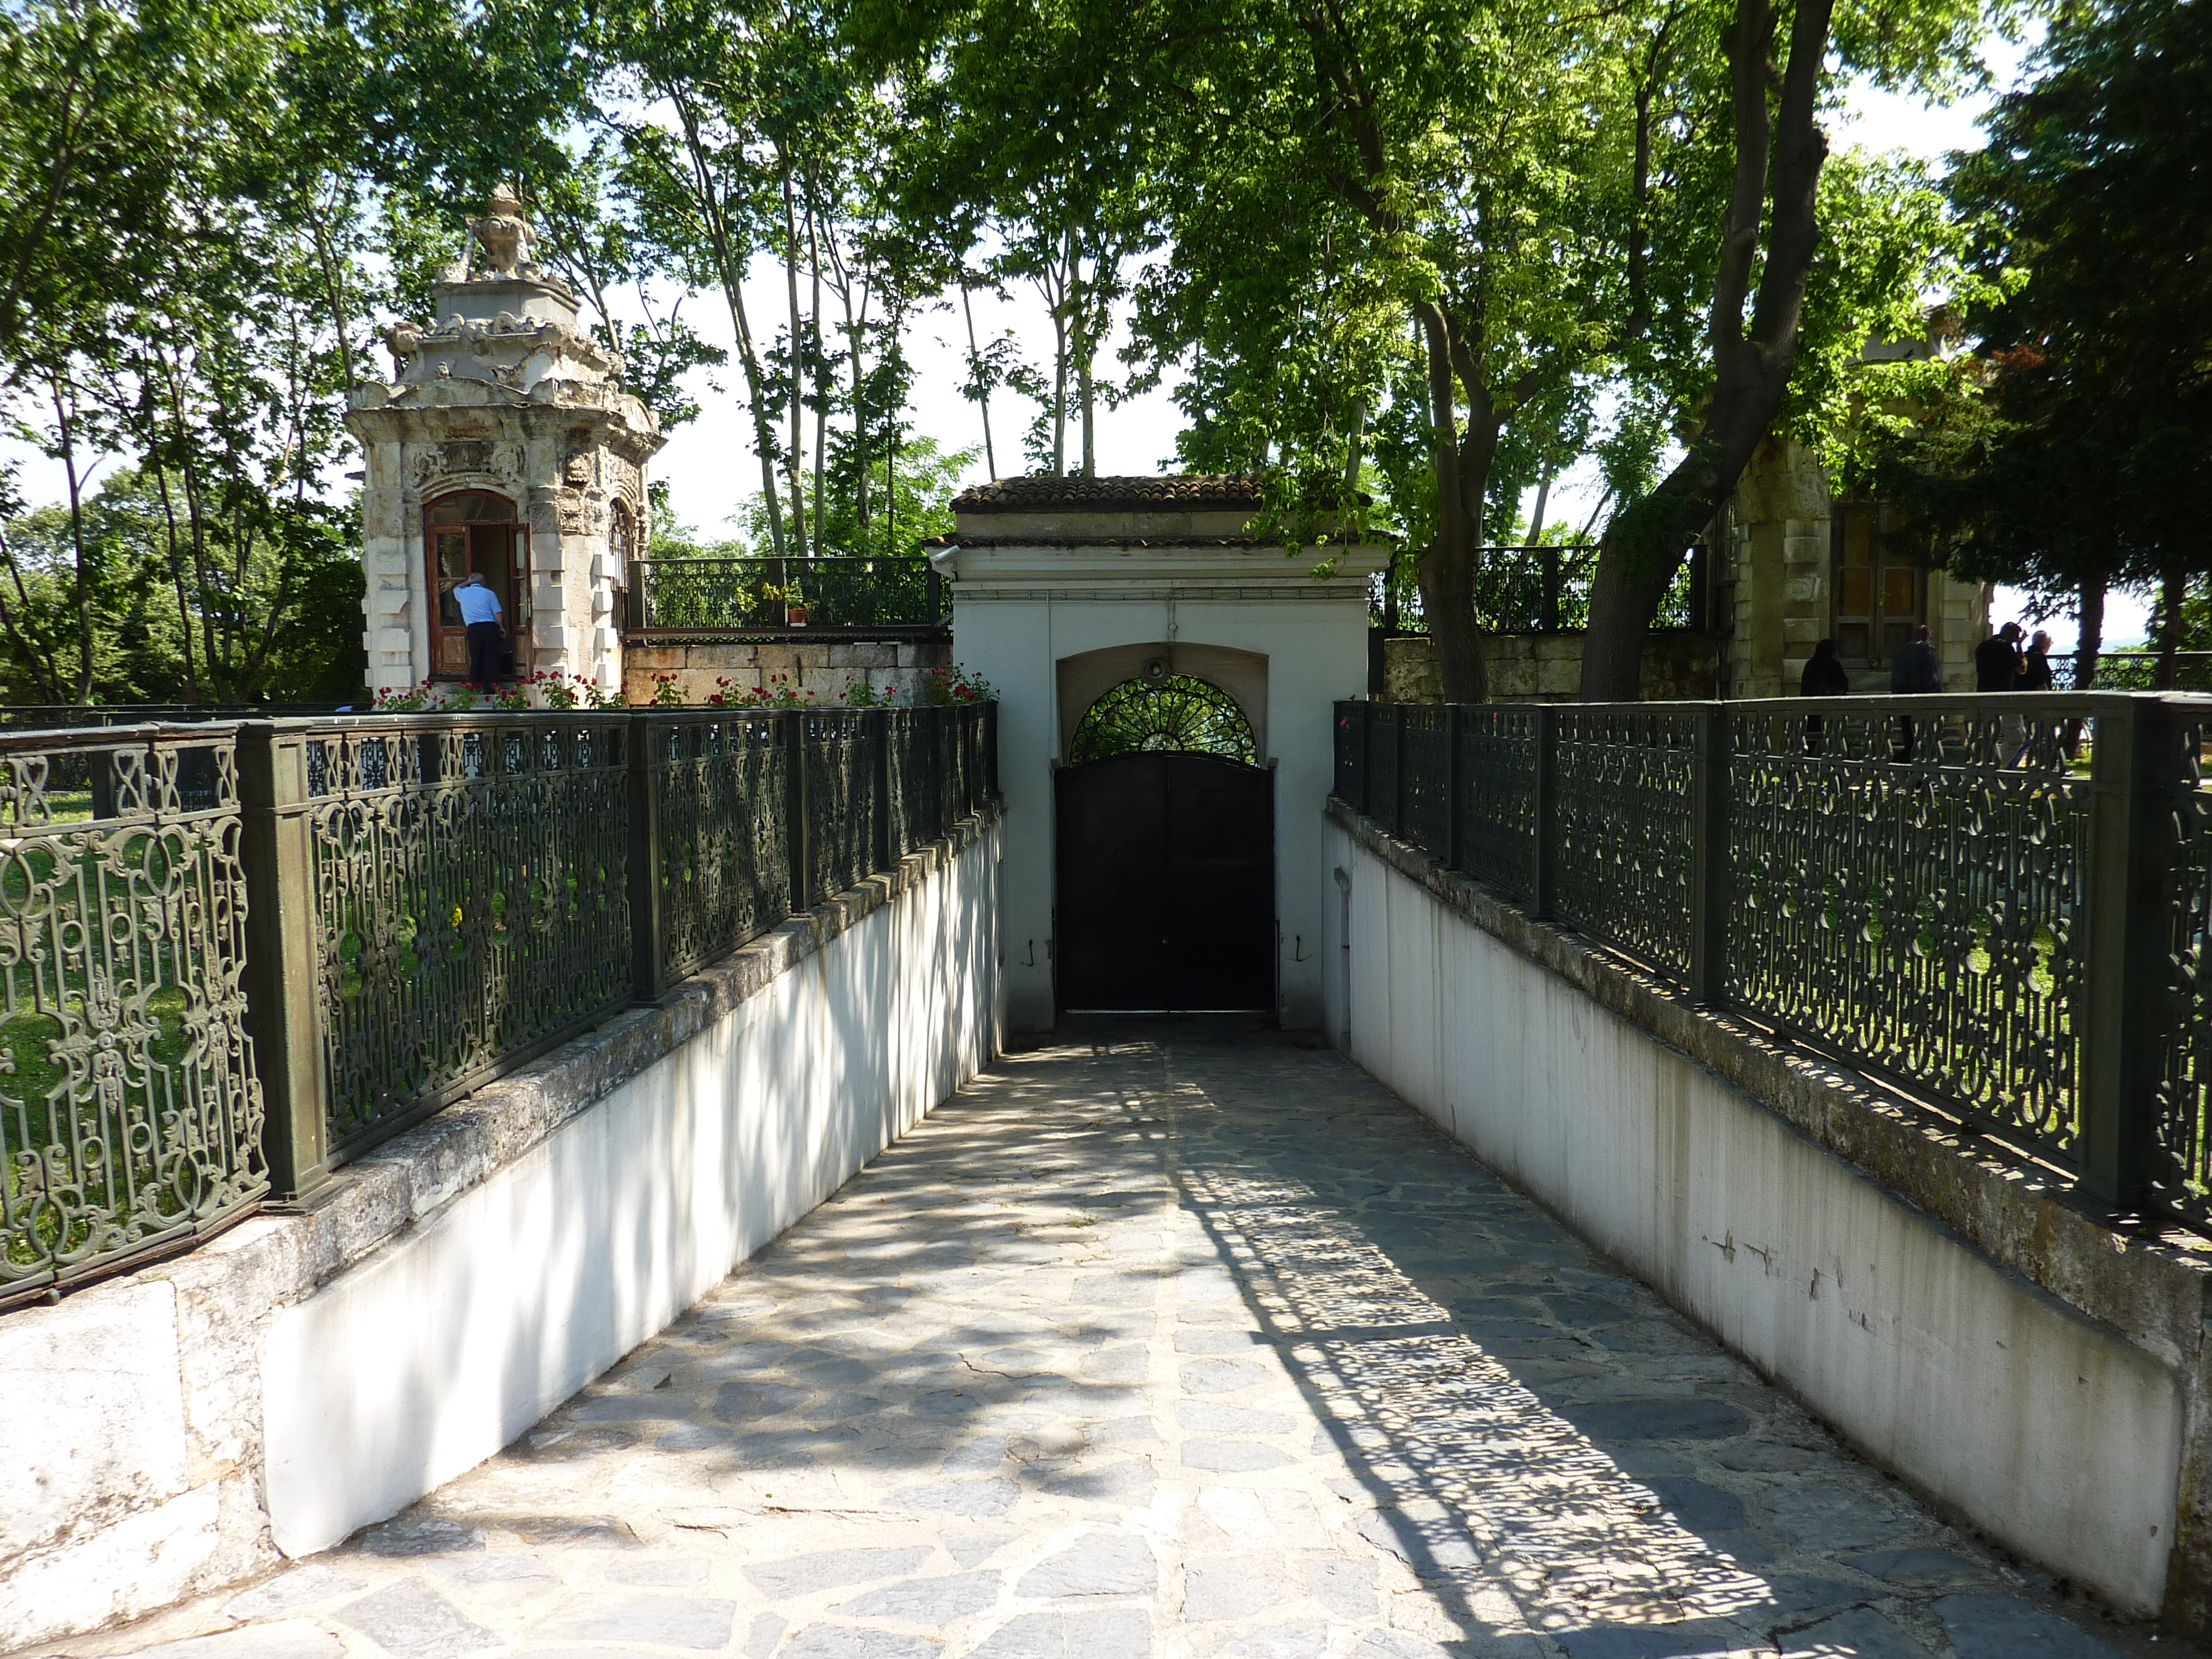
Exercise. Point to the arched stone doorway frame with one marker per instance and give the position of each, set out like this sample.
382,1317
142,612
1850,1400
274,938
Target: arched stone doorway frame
1083,677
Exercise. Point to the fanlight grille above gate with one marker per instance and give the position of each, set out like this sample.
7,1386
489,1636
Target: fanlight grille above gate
1179,714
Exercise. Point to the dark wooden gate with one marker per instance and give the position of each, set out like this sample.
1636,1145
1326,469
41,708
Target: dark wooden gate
1166,885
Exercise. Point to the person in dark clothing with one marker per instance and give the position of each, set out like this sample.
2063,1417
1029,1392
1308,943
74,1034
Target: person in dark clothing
1824,675
2034,676
1997,660
1914,671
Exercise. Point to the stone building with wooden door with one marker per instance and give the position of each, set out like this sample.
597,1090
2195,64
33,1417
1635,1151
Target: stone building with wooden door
1796,564
504,445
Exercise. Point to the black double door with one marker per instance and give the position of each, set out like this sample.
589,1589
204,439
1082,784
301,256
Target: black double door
1166,885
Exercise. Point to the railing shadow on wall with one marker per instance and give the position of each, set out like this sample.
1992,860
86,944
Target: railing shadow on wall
1999,906
238,955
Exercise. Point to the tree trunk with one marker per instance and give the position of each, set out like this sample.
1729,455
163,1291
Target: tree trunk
1543,500
729,270
1087,394
1446,570
1646,544
983,391
856,330
66,432
814,352
2091,640
2173,589
796,462
1059,396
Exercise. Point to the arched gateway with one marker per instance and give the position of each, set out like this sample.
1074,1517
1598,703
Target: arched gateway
1165,679
1164,853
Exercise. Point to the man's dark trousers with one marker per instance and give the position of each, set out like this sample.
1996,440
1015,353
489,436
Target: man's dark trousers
483,653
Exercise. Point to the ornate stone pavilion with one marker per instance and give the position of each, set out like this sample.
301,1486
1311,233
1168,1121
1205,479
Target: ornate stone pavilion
504,444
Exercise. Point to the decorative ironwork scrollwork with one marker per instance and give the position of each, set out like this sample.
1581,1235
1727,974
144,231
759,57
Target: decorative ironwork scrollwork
1497,796
470,879
1624,829
130,1114
725,846
1177,712
1908,898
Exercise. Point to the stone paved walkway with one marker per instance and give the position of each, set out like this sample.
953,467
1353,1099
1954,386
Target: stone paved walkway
1166,1344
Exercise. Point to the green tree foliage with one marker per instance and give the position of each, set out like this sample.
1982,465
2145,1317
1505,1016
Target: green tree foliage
1756,277
2066,451
178,244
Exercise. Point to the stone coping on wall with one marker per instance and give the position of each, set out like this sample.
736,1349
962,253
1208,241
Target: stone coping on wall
2152,1289
421,1171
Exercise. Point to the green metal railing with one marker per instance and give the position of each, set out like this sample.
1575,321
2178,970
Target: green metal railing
2001,904
878,597
236,956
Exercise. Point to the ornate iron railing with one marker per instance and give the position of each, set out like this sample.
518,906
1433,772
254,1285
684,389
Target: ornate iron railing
468,879
721,804
237,955
2135,670
2000,905
724,597
131,1116
1546,590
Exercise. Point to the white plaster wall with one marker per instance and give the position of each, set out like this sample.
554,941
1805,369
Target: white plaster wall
428,1357
2041,1426
1317,652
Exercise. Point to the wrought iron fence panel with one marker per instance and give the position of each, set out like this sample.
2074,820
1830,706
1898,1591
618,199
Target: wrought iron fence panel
1533,589
1910,898
1350,779
2181,1172
130,1114
917,813
470,876
741,595
720,784
1497,796
1383,766
1625,856
953,783
1425,787
839,745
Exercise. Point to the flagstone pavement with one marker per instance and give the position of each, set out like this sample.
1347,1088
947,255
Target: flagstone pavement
1164,1339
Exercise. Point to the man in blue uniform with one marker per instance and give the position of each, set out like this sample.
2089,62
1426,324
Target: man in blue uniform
480,610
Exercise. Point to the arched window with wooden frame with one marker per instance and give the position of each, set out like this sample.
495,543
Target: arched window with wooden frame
475,530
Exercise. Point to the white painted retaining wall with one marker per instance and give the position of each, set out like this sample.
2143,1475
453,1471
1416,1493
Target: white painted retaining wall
166,1434
2038,1425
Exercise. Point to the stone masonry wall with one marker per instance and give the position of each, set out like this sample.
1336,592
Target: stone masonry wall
1548,667
825,669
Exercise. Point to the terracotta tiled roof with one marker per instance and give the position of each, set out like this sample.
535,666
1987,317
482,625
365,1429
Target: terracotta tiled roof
1187,492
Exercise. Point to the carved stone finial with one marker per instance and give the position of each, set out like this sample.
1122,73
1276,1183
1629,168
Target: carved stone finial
505,235
405,339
